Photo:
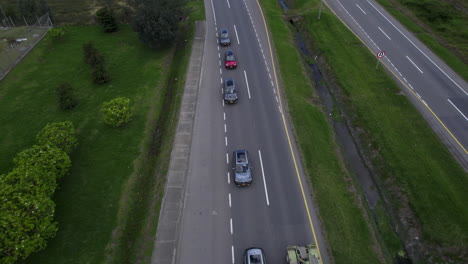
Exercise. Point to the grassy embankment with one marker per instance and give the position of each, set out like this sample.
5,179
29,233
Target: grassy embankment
109,163
405,151
347,231
439,25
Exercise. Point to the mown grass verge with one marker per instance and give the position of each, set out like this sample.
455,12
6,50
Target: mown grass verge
138,219
349,236
87,199
426,187
445,23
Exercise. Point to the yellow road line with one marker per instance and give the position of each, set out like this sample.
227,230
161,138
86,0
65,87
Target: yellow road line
404,84
288,137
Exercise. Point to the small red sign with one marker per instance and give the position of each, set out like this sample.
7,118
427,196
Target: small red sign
381,54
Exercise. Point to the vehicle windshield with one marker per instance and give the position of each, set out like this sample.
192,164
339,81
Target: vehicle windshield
224,35
241,168
230,58
230,90
255,259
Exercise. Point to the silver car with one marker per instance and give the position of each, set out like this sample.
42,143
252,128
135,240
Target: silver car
254,256
224,38
230,91
242,175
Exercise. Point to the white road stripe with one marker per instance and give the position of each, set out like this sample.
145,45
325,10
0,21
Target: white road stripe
219,56
247,82
361,9
228,3
458,110
237,36
232,252
229,178
220,72
225,129
427,57
224,115
230,220
264,181
214,14
381,30
229,197
225,141
227,158
414,64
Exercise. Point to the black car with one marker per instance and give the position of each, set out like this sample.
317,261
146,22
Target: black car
254,256
230,91
242,169
224,38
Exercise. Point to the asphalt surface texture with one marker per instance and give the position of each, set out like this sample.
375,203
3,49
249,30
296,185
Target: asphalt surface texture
436,90
220,220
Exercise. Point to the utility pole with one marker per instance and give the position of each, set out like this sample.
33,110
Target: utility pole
320,9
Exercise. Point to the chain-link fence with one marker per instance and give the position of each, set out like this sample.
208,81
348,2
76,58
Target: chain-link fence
17,39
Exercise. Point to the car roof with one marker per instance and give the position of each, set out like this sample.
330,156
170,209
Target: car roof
224,30
229,82
229,52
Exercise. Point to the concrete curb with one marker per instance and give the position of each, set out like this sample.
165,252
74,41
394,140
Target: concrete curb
164,250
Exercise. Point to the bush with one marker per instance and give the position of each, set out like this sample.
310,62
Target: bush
100,74
61,135
56,33
47,158
90,53
117,111
66,97
106,18
26,213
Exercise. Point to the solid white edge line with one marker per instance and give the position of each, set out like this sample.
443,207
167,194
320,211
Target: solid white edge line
361,9
229,198
214,14
461,113
237,36
414,64
427,57
247,83
383,32
264,181
232,231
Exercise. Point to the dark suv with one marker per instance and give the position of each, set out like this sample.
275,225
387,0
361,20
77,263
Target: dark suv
230,91
242,175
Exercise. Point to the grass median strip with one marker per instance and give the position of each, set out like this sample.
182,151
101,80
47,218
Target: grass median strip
349,236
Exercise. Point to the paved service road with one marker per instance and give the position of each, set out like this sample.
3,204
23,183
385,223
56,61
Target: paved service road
437,92
220,220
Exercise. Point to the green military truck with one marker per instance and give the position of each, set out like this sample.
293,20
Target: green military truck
303,255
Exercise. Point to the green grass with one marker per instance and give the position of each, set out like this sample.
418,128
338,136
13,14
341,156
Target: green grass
403,147
87,199
453,30
138,219
346,229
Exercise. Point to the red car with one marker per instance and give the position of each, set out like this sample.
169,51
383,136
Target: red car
230,60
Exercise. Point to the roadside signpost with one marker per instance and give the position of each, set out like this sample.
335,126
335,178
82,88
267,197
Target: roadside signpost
380,55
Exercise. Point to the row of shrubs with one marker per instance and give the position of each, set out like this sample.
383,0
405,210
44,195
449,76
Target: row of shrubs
96,60
26,205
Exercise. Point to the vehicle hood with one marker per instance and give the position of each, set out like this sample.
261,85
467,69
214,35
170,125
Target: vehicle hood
243,177
231,63
230,96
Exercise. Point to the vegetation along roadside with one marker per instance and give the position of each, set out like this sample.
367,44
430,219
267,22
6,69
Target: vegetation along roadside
423,185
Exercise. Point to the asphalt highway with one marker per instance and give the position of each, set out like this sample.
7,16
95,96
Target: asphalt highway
436,90
220,220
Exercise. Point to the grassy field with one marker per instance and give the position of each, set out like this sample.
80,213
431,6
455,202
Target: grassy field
88,198
409,158
348,233
439,25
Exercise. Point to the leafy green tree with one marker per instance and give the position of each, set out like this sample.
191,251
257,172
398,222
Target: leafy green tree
26,214
56,33
117,111
61,134
47,158
106,18
66,96
157,21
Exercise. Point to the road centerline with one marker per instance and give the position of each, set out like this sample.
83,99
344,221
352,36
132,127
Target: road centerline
383,32
361,9
264,180
461,113
247,83
414,64
237,36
